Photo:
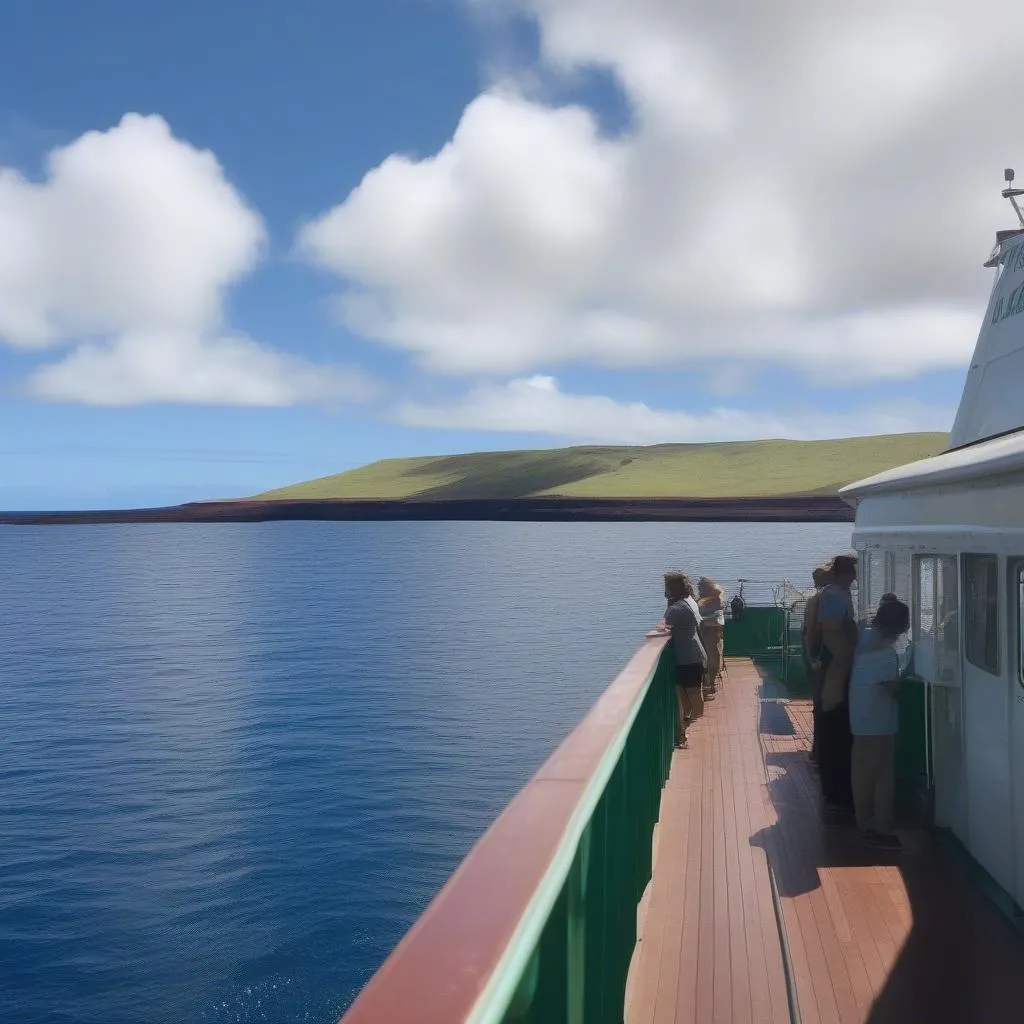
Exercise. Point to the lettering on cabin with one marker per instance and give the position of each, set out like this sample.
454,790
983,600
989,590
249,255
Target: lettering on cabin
1012,304
1009,305
1013,259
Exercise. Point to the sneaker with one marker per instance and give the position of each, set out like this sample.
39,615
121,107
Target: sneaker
837,815
708,696
682,744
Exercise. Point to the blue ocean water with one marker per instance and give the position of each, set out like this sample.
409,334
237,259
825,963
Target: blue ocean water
236,761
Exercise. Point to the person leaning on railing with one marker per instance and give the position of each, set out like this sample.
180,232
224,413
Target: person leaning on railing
712,631
682,618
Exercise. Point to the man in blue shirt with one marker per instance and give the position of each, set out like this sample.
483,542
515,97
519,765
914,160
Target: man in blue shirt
812,648
838,624
874,722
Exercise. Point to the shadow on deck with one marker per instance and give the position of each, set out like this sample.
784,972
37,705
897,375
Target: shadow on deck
871,937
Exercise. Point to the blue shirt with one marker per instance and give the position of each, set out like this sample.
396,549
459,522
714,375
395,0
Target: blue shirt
874,711
835,604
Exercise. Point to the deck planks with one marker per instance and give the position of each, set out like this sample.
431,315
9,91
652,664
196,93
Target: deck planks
873,938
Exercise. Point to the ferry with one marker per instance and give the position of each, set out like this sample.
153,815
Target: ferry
630,881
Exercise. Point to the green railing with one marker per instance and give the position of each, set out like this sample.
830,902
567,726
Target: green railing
576,971
538,924
766,635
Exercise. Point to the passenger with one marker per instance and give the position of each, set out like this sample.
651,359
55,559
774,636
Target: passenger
839,640
691,658
812,649
691,600
712,631
874,722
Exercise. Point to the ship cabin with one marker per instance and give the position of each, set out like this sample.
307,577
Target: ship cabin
946,535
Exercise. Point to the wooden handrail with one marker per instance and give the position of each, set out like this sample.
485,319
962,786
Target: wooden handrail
438,971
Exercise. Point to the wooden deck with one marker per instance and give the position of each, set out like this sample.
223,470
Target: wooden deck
866,936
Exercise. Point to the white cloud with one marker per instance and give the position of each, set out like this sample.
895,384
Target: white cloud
164,367
809,187
537,405
126,250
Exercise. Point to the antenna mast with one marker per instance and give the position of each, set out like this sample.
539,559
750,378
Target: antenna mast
1011,193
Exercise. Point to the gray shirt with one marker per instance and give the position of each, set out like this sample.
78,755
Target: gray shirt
685,624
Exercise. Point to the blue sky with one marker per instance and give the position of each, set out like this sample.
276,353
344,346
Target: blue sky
576,265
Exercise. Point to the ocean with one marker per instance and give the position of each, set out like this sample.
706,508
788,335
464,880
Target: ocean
237,761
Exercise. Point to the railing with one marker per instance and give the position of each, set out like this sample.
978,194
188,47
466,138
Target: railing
771,637
538,923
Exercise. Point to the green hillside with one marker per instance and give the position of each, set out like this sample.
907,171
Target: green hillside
725,470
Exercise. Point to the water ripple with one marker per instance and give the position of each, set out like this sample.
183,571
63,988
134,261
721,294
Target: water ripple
238,760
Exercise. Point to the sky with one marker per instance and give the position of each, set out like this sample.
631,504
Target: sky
247,243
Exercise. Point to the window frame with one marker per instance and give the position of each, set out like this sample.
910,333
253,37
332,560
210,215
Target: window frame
967,634
937,654
1017,567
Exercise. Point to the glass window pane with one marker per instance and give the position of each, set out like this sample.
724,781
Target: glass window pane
900,582
1020,624
947,626
981,610
935,628
874,584
924,617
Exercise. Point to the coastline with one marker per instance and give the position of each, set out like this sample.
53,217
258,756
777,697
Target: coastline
808,509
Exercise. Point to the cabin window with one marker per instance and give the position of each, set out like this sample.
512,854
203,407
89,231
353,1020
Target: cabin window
900,575
935,626
875,565
1020,624
981,612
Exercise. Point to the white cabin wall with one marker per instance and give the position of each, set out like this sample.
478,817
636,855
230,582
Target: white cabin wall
977,716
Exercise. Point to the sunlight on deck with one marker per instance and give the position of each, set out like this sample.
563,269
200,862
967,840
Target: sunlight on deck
741,803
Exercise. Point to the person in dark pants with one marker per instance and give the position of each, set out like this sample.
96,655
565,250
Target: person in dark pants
839,640
691,658
813,651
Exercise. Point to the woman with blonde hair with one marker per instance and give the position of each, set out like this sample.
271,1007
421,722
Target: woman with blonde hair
712,630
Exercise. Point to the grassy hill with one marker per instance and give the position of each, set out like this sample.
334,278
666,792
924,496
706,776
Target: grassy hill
726,470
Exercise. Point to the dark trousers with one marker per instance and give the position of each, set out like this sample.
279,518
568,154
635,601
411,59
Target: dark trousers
814,676
835,745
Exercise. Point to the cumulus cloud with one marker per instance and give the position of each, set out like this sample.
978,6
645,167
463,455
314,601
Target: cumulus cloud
537,405
167,367
126,251
813,187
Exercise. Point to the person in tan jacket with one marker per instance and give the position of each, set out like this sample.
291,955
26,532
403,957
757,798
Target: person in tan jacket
712,631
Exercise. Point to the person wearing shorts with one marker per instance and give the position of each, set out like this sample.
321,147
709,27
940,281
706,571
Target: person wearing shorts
691,658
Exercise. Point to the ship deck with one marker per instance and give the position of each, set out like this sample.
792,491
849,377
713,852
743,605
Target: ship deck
867,936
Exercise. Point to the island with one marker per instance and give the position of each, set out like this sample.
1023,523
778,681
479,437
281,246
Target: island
746,481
